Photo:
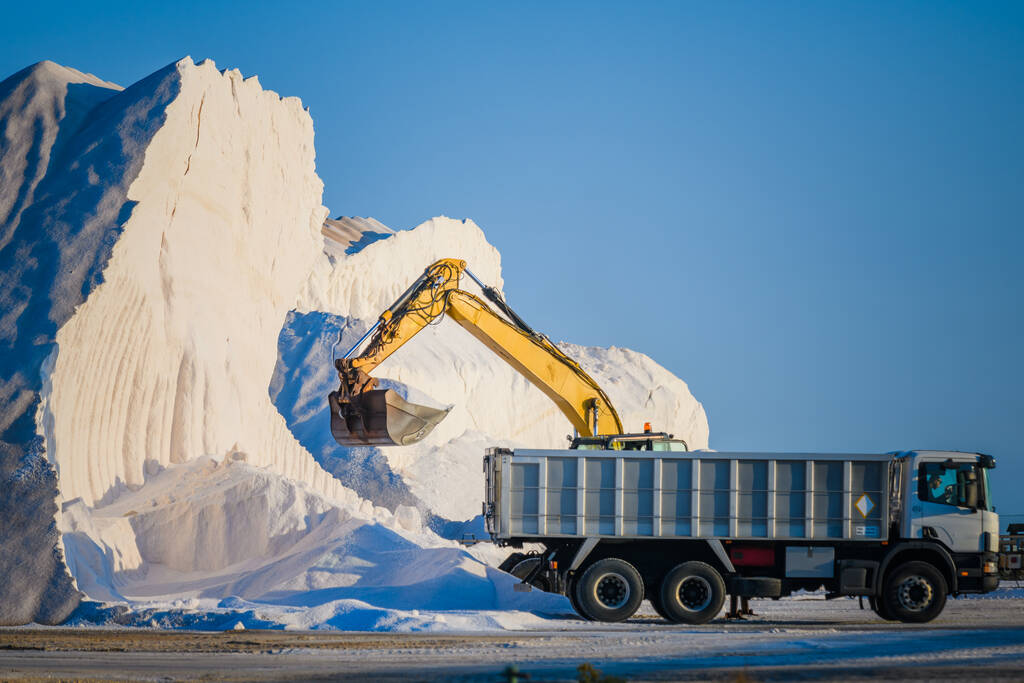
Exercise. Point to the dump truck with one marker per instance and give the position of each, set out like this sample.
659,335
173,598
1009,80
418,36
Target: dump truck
625,518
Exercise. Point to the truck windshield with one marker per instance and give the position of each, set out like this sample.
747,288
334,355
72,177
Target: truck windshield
940,483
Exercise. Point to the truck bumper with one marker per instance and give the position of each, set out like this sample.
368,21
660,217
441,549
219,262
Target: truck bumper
978,573
989,583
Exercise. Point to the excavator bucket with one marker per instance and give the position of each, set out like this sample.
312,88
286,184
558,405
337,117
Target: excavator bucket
381,418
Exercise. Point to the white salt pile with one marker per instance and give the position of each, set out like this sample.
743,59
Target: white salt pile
171,295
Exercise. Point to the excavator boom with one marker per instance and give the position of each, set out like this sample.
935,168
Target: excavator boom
362,414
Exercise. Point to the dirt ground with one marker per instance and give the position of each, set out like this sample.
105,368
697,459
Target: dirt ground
788,640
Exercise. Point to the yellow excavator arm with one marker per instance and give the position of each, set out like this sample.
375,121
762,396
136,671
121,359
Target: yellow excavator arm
362,415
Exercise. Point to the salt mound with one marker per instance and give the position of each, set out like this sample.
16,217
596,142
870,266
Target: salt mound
172,292
174,350
218,529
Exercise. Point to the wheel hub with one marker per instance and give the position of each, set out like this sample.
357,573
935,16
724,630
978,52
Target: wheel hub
694,593
915,593
612,591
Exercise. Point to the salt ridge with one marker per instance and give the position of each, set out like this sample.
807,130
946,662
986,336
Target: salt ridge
177,377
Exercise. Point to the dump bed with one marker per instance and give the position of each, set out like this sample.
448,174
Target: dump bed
540,494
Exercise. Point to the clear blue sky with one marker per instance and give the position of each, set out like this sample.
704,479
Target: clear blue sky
811,212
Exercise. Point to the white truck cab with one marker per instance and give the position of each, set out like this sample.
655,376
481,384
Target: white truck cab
949,501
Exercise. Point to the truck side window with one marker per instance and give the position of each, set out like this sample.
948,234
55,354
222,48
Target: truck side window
937,484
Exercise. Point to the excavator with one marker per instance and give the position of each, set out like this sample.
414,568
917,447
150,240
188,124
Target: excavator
364,415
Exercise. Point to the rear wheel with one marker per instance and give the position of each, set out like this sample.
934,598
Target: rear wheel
692,593
609,590
914,592
570,592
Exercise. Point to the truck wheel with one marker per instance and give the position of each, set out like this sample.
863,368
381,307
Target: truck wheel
523,569
610,590
570,592
692,593
914,592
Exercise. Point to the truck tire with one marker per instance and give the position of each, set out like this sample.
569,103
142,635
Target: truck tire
523,569
755,587
570,592
692,593
914,592
609,590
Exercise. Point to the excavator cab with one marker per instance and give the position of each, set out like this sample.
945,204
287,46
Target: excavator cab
644,441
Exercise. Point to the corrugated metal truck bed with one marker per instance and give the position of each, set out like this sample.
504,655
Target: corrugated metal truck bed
659,494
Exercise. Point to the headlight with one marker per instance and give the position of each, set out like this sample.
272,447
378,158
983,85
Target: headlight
990,568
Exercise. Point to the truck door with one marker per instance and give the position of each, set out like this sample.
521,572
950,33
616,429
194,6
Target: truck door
941,509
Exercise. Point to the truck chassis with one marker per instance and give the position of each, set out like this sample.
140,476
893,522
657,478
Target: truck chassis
684,530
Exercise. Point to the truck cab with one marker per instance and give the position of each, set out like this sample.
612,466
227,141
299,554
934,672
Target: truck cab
948,503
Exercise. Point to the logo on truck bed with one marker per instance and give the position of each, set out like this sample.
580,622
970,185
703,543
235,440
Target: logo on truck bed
864,505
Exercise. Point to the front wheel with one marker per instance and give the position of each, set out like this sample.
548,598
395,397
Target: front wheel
914,592
692,593
609,590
